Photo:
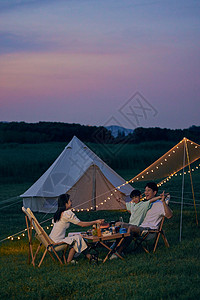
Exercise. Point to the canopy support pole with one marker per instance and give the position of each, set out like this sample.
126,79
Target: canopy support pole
181,217
187,152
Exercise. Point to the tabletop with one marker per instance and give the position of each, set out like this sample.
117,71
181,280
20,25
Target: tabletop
114,236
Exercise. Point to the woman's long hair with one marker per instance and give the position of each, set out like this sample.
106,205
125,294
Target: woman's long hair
62,200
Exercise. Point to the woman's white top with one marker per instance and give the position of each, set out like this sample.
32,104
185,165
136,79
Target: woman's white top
59,229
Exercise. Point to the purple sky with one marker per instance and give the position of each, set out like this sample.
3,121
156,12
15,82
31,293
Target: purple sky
131,63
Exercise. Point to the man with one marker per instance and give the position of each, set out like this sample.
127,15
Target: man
153,217
137,208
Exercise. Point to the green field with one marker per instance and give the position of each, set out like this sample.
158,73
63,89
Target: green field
168,274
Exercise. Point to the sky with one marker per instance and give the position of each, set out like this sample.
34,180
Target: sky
132,63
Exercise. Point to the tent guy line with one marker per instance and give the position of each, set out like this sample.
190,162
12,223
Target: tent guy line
50,219
187,145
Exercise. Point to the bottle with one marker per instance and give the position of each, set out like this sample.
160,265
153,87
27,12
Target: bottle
113,229
94,230
121,221
98,230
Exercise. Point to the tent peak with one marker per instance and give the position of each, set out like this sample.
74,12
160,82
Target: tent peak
75,141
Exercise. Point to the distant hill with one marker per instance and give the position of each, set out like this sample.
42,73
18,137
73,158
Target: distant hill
45,132
116,130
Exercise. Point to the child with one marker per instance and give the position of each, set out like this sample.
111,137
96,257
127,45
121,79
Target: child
137,208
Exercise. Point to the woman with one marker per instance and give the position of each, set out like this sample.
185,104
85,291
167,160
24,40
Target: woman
62,219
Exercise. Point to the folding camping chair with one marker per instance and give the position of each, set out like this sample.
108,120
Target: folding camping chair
152,234
44,239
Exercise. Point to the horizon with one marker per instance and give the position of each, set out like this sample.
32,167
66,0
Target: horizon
98,125
131,64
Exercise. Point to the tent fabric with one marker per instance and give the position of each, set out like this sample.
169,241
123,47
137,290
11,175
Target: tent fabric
171,162
81,173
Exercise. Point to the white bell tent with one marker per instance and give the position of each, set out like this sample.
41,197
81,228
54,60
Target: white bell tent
78,171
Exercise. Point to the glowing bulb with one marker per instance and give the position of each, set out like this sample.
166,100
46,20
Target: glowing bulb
18,237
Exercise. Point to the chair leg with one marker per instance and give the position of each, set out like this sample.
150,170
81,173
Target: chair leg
51,255
165,239
64,258
29,231
156,242
145,249
38,248
64,253
42,258
56,255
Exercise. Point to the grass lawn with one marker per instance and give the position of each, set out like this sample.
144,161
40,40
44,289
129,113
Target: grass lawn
167,274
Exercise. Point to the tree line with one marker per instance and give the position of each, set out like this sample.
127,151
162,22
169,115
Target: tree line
42,132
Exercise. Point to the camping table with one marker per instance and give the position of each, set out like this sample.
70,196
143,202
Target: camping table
102,239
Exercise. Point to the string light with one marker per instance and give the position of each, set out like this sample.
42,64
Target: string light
127,182
165,160
176,174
